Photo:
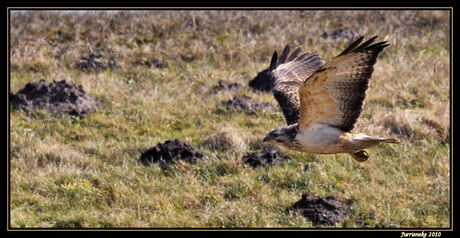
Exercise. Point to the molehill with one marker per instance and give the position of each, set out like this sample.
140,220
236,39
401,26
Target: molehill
58,97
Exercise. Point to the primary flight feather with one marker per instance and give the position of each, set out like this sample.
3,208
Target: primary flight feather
322,102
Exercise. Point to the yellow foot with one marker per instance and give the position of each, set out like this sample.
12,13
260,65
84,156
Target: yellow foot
360,155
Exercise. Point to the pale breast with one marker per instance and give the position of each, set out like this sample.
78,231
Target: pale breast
320,139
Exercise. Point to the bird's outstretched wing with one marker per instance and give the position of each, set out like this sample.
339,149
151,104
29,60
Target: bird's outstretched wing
334,95
290,71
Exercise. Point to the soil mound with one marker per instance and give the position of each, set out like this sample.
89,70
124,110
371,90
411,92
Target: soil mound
247,104
155,63
95,62
226,86
263,81
188,57
58,98
321,211
265,158
170,151
342,34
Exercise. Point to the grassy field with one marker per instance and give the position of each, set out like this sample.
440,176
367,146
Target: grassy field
87,173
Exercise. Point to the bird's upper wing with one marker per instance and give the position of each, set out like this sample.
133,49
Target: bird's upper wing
290,73
334,95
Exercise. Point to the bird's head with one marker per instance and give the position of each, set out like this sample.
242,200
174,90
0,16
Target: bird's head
278,136
285,136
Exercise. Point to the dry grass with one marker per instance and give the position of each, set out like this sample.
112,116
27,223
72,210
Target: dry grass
86,172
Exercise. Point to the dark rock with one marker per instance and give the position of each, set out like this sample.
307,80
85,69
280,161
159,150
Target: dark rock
264,158
170,151
321,211
58,98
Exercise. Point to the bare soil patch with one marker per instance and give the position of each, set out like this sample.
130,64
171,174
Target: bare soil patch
58,97
246,103
223,85
341,34
170,151
265,158
321,211
94,62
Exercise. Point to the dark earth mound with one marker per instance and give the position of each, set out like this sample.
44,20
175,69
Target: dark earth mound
321,211
262,82
188,57
226,86
154,63
264,158
247,104
342,34
95,62
170,151
58,98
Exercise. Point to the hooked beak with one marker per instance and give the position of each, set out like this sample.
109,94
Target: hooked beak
267,138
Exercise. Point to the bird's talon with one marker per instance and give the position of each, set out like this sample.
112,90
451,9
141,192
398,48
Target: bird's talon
360,156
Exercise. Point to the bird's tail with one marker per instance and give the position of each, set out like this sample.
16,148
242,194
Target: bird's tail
391,140
366,142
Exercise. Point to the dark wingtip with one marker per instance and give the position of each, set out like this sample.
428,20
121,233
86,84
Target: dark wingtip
352,46
273,61
294,54
284,55
356,46
364,45
373,38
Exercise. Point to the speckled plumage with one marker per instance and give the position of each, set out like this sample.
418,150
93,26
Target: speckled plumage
322,102
289,77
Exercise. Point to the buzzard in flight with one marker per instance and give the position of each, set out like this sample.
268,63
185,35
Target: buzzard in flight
322,102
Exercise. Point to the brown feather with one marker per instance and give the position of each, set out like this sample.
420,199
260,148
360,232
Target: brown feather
289,77
335,94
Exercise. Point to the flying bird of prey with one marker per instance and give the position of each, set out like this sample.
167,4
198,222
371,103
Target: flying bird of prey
322,102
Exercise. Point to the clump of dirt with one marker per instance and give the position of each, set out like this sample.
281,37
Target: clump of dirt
188,57
58,97
155,63
342,34
247,104
95,62
263,81
321,211
169,151
142,40
265,158
225,86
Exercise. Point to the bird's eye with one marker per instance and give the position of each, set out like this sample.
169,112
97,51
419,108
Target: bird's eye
279,139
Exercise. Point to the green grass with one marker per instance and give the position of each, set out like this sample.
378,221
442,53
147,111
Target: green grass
87,173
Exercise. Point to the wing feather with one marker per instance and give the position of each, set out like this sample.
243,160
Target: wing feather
294,54
335,93
290,73
284,55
